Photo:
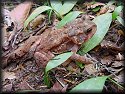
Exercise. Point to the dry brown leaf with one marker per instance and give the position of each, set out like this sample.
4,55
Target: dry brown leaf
121,32
90,69
72,67
119,57
111,45
117,64
7,87
107,60
21,12
57,87
37,21
8,75
25,86
120,77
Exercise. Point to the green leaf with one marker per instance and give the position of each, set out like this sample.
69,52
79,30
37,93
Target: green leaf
46,79
90,85
58,60
116,12
67,6
103,23
35,13
68,18
120,20
56,5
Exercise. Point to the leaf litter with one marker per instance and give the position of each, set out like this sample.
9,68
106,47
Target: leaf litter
26,75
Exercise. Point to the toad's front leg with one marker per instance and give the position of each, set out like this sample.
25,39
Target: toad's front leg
79,58
42,58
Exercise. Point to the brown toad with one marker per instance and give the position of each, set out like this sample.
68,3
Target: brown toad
68,38
54,41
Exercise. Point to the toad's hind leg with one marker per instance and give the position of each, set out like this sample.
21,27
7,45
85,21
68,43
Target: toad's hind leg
79,58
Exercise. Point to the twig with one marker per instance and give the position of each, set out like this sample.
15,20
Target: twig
60,82
16,37
116,83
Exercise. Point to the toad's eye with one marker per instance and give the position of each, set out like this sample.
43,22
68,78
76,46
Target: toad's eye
88,30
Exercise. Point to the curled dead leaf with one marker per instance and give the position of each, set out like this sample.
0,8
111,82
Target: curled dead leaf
121,32
8,75
37,21
21,12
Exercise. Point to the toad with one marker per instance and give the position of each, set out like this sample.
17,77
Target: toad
68,38
55,41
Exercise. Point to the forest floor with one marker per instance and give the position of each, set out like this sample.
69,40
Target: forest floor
21,74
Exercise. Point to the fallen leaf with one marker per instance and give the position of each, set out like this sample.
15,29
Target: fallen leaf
117,64
119,57
57,87
8,75
106,60
120,77
7,88
25,86
21,12
90,69
37,21
121,32
111,45
35,13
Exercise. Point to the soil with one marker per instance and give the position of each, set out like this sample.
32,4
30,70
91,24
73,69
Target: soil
28,76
